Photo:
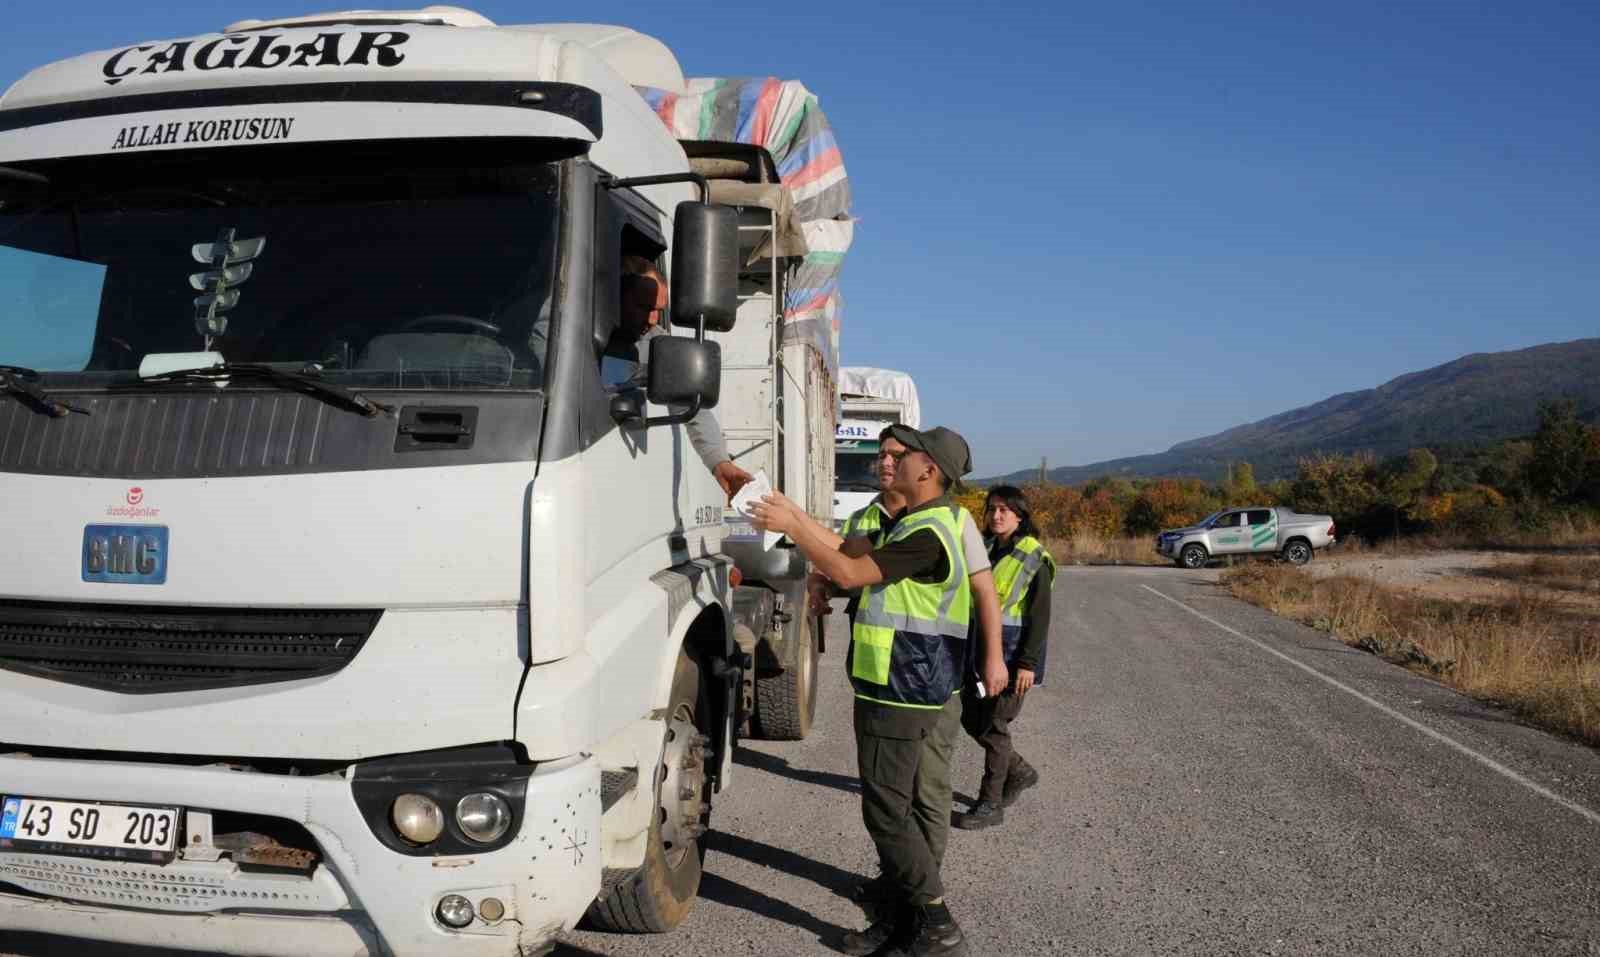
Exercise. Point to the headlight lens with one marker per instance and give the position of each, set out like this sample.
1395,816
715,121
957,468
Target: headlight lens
483,817
417,818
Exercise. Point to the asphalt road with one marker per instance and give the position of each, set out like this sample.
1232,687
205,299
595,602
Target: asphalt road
1225,784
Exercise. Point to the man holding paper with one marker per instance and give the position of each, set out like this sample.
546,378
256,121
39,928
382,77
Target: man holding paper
869,526
907,653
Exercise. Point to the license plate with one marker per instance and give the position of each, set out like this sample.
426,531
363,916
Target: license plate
91,830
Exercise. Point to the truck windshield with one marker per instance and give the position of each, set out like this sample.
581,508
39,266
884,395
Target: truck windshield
420,266
856,471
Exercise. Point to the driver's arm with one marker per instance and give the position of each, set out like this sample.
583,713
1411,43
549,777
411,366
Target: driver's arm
705,434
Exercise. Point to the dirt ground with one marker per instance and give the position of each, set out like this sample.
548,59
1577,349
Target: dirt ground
1470,575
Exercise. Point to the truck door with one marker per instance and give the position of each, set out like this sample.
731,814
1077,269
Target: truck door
1228,534
637,478
1263,529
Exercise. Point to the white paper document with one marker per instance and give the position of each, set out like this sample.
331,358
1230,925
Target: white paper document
745,499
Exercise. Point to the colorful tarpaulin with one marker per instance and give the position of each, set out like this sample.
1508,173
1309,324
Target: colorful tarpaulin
783,117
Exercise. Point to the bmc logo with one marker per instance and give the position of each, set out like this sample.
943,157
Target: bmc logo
125,554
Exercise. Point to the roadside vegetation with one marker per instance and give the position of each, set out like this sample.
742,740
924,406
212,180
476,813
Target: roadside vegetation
1526,639
1542,491
1534,651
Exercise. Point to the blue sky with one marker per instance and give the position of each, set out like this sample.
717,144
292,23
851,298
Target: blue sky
1096,230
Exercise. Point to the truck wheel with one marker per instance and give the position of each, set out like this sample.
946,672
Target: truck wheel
658,896
1297,552
1193,556
786,702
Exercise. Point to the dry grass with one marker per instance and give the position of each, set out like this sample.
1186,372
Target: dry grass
1529,653
1089,549
1571,531
1565,573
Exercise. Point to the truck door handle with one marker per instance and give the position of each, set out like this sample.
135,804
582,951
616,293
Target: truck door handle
436,427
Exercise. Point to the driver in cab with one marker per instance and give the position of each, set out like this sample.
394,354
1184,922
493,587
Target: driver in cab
644,303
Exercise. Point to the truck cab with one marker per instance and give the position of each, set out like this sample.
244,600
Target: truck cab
370,598
870,401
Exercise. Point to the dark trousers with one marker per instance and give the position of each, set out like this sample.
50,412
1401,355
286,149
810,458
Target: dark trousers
988,721
931,806
905,799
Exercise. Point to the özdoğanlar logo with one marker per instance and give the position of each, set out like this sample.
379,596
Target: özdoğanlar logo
258,52
135,507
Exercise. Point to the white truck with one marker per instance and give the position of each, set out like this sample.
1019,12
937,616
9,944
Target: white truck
870,400
360,601
1248,531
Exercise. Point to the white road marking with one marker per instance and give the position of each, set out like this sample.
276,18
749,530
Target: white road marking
1443,739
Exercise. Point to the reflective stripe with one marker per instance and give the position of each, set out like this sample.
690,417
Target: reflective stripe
878,618
904,704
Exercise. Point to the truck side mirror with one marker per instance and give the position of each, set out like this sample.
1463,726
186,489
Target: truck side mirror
705,267
684,370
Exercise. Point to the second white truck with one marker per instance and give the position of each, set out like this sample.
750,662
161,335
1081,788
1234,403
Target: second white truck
870,400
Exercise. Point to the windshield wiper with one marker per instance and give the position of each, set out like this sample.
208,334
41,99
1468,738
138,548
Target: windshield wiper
291,381
23,176
19,381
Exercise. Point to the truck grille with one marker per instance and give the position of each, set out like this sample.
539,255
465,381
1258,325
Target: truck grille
181,886
145,649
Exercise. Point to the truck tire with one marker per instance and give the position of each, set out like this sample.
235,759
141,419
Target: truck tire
1297,551
1194,556
655,898
786,702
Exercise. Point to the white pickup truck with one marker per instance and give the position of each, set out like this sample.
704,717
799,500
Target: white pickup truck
1248,531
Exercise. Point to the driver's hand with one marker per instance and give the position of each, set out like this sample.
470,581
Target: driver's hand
732,478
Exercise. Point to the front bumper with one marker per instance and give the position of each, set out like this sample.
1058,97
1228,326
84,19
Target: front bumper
361,898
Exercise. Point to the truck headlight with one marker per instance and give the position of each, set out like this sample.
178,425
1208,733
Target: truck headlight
417,818
483,816
448,801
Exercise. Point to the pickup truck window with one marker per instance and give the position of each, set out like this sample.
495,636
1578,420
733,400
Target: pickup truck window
1260,516
1230,520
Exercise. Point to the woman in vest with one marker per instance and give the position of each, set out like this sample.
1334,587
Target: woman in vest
1023,575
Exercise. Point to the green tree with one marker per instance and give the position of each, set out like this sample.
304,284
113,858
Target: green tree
1343,486
1239,487
1505,468
1560,461
1404,484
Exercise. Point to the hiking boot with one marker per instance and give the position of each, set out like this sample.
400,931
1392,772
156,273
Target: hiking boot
932,933
891,922
983,814
1021,778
